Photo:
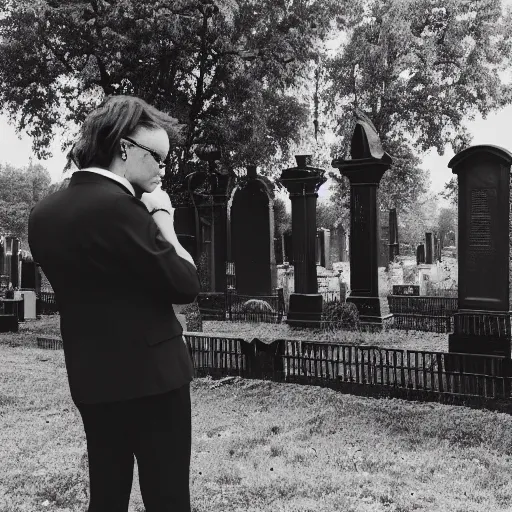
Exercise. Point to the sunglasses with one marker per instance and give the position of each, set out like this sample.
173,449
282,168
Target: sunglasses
158,159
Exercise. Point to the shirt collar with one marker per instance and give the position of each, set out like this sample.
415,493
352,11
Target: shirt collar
112,176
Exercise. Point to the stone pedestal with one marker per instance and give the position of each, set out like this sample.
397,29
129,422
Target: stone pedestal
424,277
302,183
482,323
364,171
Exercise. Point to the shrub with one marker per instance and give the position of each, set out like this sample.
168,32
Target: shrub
337,315
257,306
212,305
193,317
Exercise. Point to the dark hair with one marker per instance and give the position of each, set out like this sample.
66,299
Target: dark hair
115,118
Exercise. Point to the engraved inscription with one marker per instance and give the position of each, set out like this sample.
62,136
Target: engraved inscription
480,219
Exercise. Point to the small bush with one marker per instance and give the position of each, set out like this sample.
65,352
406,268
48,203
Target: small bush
337,315
193,317
212,305
257,306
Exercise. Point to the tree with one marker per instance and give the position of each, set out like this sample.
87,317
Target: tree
229,70
421,217
20,190
282,219
327,215
451,190
447,225
419,68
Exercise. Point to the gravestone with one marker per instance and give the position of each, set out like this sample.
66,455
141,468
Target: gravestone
420,254
210,190
393,235
252,233
406,289
28,274
327,249
343,245
482,322
383,241
429,249
364,170
288,247
323,253
302,183
437,248
12,260
338,245
278,249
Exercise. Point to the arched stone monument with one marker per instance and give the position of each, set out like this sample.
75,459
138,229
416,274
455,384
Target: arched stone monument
251,217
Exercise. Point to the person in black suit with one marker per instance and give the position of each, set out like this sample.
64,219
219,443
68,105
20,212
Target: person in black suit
107,245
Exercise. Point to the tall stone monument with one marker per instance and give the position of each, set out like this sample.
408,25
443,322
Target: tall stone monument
302,183
251,217
429,249
482,322
364,170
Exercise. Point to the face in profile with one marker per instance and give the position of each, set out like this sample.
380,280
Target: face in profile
146,152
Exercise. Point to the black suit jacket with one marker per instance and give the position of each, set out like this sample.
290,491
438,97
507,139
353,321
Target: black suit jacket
115,279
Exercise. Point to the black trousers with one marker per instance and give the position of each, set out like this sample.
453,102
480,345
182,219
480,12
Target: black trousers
157,431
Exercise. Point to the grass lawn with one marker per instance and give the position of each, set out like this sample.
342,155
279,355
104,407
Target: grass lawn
388,338
261,446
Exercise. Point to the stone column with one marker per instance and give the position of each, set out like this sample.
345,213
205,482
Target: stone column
302,183
429,249
327,245
364,170
273,263
15,263
2,256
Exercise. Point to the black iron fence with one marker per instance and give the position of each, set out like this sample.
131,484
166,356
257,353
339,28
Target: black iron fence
416,374
46,304
235,307
412,372
246,308
434,314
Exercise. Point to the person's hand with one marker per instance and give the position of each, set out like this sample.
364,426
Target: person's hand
157,199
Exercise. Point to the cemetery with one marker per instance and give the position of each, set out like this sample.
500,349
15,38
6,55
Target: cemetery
425,327
350,353
303,326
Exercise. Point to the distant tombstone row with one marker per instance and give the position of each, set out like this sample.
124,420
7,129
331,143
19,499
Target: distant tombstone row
323,252
13,264
406,289
430,251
